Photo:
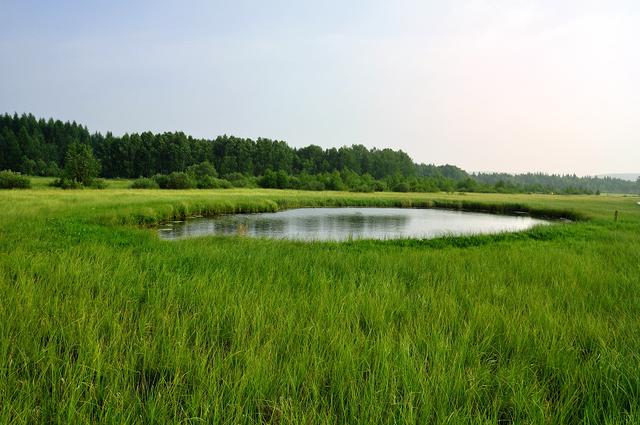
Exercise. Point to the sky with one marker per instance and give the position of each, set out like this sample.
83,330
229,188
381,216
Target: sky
504,85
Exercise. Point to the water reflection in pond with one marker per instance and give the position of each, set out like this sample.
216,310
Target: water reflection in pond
338,224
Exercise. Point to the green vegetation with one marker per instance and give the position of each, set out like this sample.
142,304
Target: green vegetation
11,180
40,147
144,183
175,180
80,169
103,322
80,165
544,183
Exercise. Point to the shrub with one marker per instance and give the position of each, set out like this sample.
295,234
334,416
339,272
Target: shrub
363,188
41,168
294,182
222,184
379,186
202,175
310,182
400,187
201,170
180,181
209,182
175,180
11,180
98,184
312,185
206,182
234,176
29,166
467,185
274,180
161,180
66,183
334,181
144,183
240,180
52,169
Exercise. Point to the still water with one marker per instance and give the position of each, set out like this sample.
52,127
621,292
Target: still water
337,224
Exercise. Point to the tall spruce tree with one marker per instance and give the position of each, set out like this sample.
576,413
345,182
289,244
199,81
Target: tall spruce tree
80,165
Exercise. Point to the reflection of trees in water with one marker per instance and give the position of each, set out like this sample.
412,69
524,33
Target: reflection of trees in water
324,225
192,227
250,225
358,223
315,224
349,223
266,226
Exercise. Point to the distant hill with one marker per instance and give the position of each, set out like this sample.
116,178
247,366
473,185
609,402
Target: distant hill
622,176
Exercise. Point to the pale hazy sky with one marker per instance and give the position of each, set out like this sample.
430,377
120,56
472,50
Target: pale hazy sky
502,85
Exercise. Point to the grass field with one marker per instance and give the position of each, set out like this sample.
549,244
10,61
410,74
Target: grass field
100,321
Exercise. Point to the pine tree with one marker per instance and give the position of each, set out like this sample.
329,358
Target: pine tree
10,152
80,165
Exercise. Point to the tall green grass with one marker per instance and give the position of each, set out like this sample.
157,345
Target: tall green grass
102,322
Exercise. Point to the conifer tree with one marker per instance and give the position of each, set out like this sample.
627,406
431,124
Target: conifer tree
80,165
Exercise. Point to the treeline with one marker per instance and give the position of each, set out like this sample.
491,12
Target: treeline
40,147
549,183
33,146
204,176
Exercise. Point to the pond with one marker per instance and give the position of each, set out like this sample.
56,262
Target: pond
339,224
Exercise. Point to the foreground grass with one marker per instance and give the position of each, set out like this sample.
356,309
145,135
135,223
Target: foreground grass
100,321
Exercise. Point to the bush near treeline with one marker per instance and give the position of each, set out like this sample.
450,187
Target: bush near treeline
39,147
81,169
144,183
204,176
13,180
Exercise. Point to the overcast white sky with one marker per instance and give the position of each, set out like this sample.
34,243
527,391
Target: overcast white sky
505,85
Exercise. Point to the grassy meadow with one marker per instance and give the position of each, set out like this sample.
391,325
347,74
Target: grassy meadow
102,322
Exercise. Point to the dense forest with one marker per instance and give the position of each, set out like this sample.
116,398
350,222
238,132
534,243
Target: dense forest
39,147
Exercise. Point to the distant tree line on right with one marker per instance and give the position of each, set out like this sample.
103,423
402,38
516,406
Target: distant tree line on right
174,160
548,183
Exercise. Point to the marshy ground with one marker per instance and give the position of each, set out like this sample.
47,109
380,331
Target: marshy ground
101,321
